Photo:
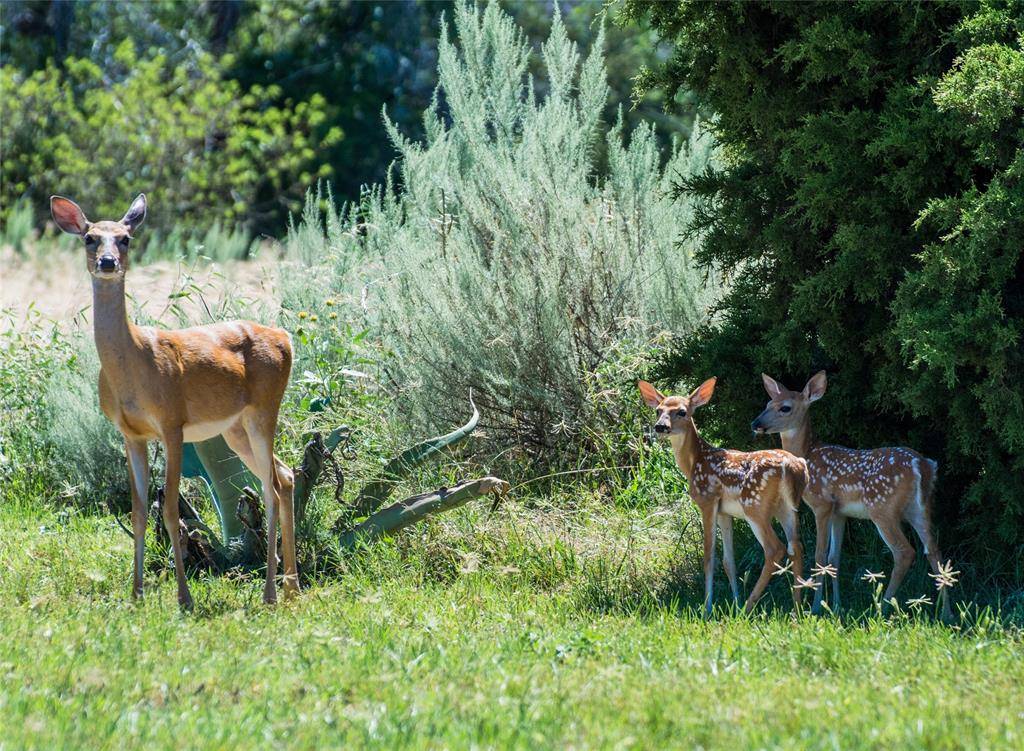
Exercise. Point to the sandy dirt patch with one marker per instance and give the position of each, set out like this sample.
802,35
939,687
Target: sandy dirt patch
173,293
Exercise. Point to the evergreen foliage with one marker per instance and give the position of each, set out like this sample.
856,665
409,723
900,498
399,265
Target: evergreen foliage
870,208
341,61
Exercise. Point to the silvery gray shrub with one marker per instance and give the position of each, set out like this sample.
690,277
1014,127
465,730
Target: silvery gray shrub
506,254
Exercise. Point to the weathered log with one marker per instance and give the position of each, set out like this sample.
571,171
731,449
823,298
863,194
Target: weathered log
411,510
313,458
376,492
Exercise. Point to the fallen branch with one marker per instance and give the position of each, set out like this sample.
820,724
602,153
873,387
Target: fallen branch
372,496
318,451
411,510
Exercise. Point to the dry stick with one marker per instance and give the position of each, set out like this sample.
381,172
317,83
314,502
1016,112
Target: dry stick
399,515
377,490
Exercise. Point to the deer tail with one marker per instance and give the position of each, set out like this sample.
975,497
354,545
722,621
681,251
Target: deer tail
929,469
799,481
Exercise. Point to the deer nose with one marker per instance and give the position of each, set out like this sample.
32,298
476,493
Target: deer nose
107,263
661,428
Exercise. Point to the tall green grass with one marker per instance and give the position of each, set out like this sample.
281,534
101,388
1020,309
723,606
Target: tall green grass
216,243
504,630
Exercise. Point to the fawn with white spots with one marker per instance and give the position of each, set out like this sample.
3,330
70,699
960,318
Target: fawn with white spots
185,386
886,485
756,486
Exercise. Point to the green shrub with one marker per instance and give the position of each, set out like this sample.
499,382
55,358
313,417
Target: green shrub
216,243
54,438
203,148
872,211
505,263
18,226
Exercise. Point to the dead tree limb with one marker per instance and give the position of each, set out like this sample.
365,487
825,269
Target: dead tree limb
411,510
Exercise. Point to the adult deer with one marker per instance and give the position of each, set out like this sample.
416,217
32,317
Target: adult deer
756,486
184,386
886,485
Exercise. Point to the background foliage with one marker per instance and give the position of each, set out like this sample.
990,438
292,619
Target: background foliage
239,106
870,211
202,147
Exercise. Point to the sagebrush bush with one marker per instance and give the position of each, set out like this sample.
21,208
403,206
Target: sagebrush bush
54,437
506,262
86,452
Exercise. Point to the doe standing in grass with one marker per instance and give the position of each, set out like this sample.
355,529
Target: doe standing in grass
756,486
886,485
185,386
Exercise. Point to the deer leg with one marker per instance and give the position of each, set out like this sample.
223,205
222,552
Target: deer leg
238,440
260,432
791,526
837,526
773,551
728,555
138,477
173,449
708,517
918,518
822,520
902,552
285,488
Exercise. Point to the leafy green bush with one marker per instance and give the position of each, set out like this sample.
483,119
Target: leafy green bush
505,263
872,210
55,442
200,145
18,226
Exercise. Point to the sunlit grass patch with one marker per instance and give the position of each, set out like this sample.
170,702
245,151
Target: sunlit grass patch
505,630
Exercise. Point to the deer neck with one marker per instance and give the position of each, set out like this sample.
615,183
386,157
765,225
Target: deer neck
114,335
687,447
799,440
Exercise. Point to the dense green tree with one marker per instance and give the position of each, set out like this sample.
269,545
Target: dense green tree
203,148
870,211
361,57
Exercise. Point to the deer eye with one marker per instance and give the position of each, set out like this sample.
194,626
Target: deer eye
681,413
785,408
91,242
123,241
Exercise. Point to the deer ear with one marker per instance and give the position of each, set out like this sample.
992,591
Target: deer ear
815,388
68,215
702,395
771,386
136,213
652,397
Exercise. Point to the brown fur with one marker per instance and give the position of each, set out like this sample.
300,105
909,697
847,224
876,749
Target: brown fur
886,485
756,486
185,385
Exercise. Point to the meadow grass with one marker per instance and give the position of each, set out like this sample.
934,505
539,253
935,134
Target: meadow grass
569,626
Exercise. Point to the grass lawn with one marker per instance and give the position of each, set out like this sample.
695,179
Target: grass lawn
473,631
